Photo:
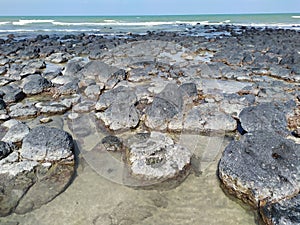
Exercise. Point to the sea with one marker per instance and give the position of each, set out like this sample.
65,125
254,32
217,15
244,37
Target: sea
121,25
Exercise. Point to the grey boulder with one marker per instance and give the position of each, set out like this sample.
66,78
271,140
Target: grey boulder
261,167
47,143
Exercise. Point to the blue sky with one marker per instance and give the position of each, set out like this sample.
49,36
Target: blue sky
145,7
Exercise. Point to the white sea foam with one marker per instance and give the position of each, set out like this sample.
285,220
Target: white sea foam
296,17
116,23
4,23
110,21
24,22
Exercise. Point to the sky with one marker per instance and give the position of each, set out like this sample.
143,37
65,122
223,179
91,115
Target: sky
144,7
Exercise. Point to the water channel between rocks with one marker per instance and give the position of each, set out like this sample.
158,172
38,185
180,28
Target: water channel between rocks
94,199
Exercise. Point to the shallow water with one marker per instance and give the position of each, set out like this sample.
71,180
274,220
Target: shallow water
94,199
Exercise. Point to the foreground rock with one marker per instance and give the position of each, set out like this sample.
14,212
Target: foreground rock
283,212
43,171
261,167
155,156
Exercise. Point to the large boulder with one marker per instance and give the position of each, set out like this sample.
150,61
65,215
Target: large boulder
105,74
35,84
166,105
43,171
266,116
156,157
282,212
261,167
118,108
47,143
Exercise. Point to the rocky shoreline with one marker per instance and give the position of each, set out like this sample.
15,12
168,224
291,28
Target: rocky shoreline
154,87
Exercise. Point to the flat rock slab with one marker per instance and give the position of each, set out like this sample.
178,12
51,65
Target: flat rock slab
43,171
261,168
155,156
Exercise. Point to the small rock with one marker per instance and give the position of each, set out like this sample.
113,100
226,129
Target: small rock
46,120
5,149
112,143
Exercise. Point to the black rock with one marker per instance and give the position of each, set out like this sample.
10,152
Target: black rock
189,89
12,93
35,84
2,104
266,117
5,149
283,212
112,143
261,167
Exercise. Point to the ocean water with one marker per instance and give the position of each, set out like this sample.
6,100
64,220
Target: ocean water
117,25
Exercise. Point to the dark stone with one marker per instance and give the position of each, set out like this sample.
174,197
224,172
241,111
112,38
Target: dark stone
12,93
5,149
165,106
47,143
267,117
261,167
72,68
112,143
283,212
69,88
2,104
189,89
35,84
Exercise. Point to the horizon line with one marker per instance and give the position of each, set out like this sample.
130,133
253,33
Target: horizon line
188,14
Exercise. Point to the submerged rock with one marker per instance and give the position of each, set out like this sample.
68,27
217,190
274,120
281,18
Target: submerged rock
157,157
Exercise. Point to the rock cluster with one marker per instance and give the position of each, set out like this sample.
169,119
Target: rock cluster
262,167
156,84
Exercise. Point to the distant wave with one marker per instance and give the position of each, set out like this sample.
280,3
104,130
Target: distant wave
149,23
296,17
24,22
4,23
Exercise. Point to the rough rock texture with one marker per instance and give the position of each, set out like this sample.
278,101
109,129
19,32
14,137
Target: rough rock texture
16,133
120,112
156,156
266,116
26,183
261,167
283,212
164,107
47,143
35,84
5,149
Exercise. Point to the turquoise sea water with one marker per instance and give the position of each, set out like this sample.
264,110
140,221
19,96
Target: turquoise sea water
28,25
